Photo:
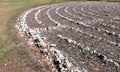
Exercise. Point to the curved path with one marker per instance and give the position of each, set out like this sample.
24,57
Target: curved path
75,36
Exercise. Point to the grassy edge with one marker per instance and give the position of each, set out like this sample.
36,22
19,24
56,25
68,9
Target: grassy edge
12,37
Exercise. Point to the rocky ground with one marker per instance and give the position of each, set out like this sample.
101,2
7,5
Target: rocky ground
74,36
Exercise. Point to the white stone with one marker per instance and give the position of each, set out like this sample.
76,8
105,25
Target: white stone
52,45
113,33
69,40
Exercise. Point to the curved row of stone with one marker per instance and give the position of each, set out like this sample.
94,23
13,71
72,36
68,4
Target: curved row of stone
84,25
62,28
56,22
87,10
54,55
100,25
62,16
78,29
107,30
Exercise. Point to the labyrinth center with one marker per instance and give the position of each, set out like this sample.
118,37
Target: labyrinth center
75,36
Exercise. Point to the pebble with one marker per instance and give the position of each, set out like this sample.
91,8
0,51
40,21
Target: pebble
52,45
69,40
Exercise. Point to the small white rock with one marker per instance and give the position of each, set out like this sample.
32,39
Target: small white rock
69,40
52,45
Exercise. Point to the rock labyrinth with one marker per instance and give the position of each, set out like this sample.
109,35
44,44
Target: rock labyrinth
75,36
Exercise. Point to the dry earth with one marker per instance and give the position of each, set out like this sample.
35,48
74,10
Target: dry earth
75,36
